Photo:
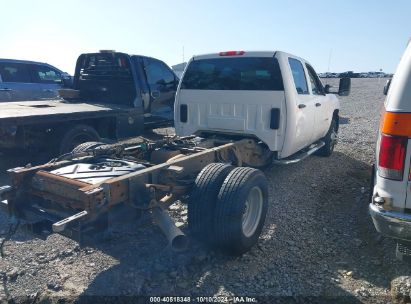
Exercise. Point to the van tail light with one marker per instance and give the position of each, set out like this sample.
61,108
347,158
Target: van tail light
392,156
232,53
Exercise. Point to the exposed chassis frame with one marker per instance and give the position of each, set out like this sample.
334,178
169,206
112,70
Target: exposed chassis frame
74,205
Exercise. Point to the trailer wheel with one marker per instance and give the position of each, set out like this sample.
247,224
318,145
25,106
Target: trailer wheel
77,135
202,201
241,210
330,140
90,145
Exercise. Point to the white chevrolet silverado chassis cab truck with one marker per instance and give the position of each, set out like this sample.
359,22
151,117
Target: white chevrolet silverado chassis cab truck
274,97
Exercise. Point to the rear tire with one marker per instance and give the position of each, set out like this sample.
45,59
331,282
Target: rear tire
77,135
330,140
90,145
202,201
241,210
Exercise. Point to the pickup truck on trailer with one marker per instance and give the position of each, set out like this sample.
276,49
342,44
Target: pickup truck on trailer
114,96
251,109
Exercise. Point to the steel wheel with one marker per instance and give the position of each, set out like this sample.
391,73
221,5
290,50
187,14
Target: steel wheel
252,212
240,210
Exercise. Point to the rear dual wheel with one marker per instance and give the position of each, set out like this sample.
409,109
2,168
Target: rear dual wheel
231,210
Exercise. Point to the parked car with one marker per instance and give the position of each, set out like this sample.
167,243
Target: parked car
22,80
114,96
390,207
273,96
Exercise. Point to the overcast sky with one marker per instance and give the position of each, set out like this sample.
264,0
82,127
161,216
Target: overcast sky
360,35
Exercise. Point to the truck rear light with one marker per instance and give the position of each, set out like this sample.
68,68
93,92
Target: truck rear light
391,157
232,53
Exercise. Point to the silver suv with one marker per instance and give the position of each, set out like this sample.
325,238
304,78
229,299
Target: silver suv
28,80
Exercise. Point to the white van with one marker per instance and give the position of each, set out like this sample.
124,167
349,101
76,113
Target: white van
272,96
390,207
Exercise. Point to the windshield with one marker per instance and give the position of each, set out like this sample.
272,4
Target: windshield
247,73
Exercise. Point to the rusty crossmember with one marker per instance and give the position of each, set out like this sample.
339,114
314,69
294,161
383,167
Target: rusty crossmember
79,206
134,185
132,188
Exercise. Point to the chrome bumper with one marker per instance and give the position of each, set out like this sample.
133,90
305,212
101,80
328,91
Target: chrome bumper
390,223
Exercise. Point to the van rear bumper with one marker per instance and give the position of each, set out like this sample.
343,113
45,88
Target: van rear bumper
390,223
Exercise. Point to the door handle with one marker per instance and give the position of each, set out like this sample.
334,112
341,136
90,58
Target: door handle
155,94
48,90
6,90
301,106
318,104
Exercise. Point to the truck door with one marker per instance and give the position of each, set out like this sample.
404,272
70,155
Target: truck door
16,82
162,84
322,110
305,106
48,79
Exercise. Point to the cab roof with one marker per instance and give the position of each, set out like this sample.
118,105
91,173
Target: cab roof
226,54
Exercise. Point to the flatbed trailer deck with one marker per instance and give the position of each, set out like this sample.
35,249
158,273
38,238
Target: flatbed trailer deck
42,111
73,194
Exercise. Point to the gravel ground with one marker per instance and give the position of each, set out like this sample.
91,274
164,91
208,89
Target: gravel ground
318,243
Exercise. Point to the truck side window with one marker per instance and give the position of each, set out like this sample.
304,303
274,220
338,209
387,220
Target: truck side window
316,85
158,73
298,75
45,74
14,72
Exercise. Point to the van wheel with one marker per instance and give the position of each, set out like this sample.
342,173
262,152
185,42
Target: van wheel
330,140
202,201
241,210
77,135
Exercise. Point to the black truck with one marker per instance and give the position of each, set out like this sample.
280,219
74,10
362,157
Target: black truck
113,96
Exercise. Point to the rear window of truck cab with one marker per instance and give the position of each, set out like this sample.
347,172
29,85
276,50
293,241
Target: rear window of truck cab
105,66
246,73
106,78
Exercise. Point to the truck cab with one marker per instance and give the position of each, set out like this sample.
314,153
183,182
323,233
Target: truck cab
273,96
129,80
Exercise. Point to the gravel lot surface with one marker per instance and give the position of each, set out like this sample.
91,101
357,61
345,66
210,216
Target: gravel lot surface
318,241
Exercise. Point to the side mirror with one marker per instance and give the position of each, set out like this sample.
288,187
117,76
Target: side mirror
344,87
387,86
67,82
161,82
327,89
